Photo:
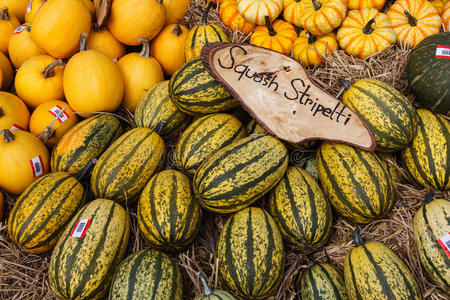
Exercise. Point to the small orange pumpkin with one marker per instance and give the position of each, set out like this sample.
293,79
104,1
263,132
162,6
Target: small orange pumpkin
21,47
279,36
13,112
8,23
322,17
439,5
254,11
446,17
175,10
292,12
310,50
7,72
32,7
413,20
102,40
358,4
231,17
16,7
40,79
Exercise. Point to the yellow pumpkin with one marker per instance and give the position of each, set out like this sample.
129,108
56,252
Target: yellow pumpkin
231,17
358,4
446,17
130,20
175,10
40,79
58,24
292,12
2,205
92,82
168,47
140,73
7,72
45,114
14,114
279,36
90,6
310,50
322,17
23,158
413,20
32,7
16,7
254,11
21,47
439,5
8,23
365,32
102,40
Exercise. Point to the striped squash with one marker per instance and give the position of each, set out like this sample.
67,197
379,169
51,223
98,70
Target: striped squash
356,182
431,229
147,274
301,211
204,137
322,281
82,267
373,271
388,114
389,161
41,213
426,159
168,214
124,169
252,127
156,108
251,255
83,142
209,294
239,174
196,92
311,167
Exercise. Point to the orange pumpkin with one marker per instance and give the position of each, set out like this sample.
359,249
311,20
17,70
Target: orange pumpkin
168,47
46,114
310,50
102,40
446,17
365,32
92,82
32,7
413,20
58,24
13,112
279,36
23,158
292,12
140,73
439,5
231,17
254,11
40,79
7,72
21,47
322,17
175,10
16,7
358,4
8,23
130,20
90,6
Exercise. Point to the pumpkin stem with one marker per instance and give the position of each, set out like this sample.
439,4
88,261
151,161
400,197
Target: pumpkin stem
206,289
48,132
4,15
368,28
145,52
49,70
272,31
311,39
205,13
357,236
8,136
412,21
2,113
83,43
96,27
317,4
80,174
429,197
28,28
177,30
345,83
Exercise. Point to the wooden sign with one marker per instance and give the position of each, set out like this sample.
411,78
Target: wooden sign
277,92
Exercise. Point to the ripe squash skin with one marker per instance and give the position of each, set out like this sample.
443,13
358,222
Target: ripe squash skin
7,72
322,281
32,8
254,11
8,23
21,47
322,16
279,36
175,10
230,16
102,40
13,112
16,7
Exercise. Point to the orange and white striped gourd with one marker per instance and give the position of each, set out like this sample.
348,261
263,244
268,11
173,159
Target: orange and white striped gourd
310,50
292,12
230,16
446,17
439,5
320,17
254,11
358,4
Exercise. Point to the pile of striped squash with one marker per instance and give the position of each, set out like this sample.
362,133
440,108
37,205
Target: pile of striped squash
223,161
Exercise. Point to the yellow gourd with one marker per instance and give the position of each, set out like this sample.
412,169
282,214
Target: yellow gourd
439,5
322,17
358,4
310,50
292,12
254,11
16,7
7,72
102,40
21,47
230,16
8,23
175,10
13,112
32,7
446,17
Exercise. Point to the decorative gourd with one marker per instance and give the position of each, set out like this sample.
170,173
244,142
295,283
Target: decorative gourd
209,294
292,12
201,35
413,20
24,157
13,112
102,40
390,163
359,4
231,17
365,32
322,281
32,8
92,82
252,128
279,36
130,20
254,11
168,47
45,114
16,7
322,17
8,23
21,47
310,50
7,72
175,10
140,73
40,79
90,6
439,5
57,26
446,17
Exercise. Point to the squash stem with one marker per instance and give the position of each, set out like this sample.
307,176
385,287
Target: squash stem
78,176
368,28
317,4
8,136
49,70
429,197
272,31
345,83
311,258
2,113
28,28
206,289
311,39
357,236
4,15
96,27
177,30
205,13
83,43
412,21
145,52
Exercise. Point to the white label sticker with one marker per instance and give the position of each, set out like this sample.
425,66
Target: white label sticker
15,127
20,29
29,6
443,51
80,228
37,166
55,110
445,243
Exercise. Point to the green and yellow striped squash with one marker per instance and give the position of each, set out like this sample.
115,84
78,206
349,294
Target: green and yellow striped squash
42,212
389,161
322,281
124,169
251,255
147,274
301,211
426,159
431,224
356,182
372,271
82,267
209,294
240,173
156,109
168,214
388,114
83,142
311,167
194,91
204,137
